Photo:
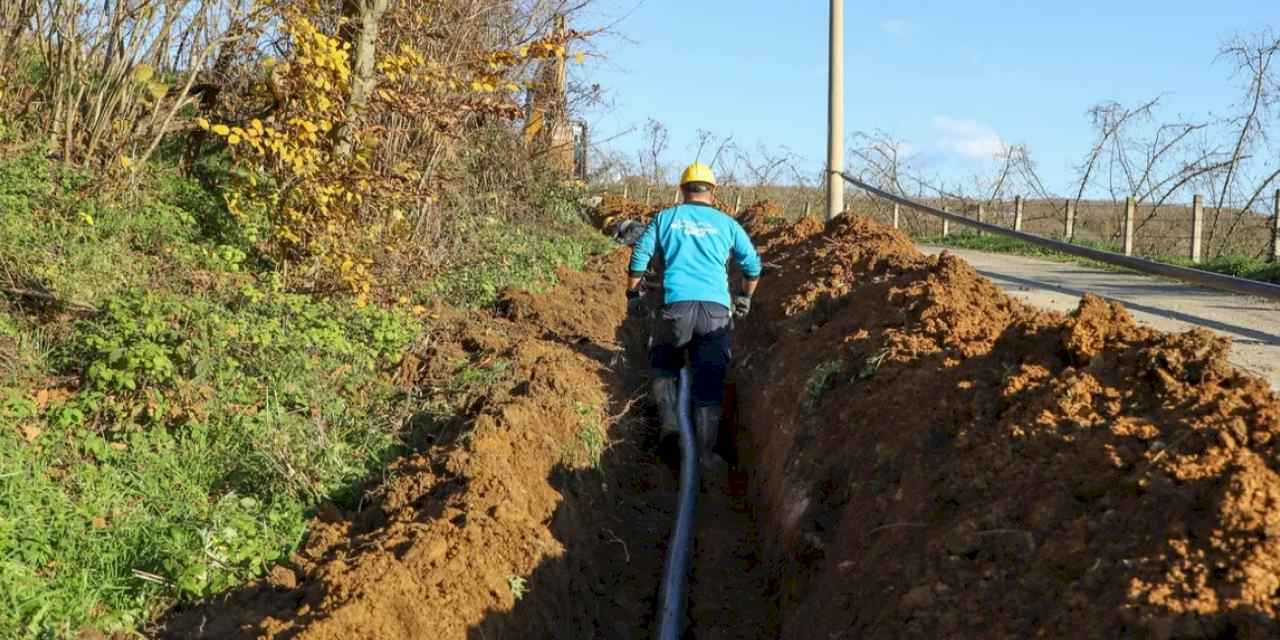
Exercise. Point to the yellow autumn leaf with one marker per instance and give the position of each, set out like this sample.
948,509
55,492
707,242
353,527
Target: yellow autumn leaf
202,123
143,73
221,129
580,58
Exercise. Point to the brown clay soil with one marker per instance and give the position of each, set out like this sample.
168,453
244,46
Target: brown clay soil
933,459
927,458
505,502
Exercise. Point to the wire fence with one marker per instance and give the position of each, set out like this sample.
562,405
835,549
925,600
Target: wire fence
946,218
1165,233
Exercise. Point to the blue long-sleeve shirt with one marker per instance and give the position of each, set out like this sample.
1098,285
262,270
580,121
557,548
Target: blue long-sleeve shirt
695,242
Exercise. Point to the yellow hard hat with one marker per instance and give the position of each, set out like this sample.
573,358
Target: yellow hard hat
698,172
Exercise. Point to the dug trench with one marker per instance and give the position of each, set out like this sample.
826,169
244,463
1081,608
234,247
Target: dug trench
544,512
927,458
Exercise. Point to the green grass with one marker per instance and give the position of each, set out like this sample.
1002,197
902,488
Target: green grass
59,236
522,254
590,442
1240,267
1003,244
171,444
202,431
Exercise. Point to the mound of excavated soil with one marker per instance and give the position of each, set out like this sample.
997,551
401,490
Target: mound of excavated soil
587,305
936,460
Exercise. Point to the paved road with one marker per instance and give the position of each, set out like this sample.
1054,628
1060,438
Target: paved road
1252,324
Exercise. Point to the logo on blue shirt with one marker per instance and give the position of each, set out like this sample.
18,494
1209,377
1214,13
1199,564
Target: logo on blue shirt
694,228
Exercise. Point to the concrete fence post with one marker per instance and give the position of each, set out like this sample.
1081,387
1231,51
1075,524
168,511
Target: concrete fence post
946,224
648,191
1197,227
1130,212
897,213
737,202
1275,228
626,191
676,200
1017,213
1069,224
982,213
808,208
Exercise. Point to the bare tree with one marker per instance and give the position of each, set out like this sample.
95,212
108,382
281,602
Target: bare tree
1254,58
656,137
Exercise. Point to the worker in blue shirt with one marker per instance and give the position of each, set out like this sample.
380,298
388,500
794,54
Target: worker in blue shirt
694,241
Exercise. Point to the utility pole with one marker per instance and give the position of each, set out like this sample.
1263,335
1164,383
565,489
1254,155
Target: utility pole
835,113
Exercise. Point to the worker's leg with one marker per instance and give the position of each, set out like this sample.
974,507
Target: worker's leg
709,354
666,357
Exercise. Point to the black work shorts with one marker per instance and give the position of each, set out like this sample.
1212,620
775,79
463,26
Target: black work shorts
699,334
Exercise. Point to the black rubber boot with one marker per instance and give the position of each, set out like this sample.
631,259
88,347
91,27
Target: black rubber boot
665,396
707,422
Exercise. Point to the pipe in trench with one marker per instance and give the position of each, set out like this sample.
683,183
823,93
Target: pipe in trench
671,594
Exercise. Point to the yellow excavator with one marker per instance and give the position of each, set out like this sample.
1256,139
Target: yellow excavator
548,131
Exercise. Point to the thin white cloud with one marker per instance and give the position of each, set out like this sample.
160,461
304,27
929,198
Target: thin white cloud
897,27
969,139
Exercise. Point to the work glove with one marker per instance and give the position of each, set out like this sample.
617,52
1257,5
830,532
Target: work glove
635,303
741,306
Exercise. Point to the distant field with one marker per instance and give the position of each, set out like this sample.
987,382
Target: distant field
1166,235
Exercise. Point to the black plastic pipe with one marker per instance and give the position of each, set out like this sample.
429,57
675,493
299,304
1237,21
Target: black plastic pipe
671,595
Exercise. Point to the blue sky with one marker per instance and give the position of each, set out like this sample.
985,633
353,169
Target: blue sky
954,79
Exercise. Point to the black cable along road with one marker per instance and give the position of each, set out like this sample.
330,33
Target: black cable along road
1185,274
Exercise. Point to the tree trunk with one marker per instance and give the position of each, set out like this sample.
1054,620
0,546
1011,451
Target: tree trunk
365,17
22,14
